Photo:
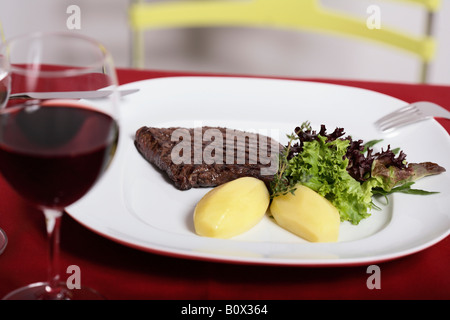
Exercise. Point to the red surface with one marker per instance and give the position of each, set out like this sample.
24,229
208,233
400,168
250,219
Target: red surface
120,272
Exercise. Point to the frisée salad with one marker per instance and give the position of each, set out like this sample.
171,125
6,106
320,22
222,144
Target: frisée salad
347,172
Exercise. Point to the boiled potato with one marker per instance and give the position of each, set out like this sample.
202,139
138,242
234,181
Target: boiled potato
231,208
307,214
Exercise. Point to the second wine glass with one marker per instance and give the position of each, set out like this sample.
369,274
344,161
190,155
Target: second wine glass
54,149
4,90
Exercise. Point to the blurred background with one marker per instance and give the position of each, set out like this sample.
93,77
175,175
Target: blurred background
253,51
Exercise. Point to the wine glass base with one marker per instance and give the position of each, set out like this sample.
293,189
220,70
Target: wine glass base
37,291
3,240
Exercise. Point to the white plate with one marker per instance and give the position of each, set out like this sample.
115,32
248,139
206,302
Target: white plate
135,205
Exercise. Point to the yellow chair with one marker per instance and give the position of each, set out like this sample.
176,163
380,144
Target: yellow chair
283,14
2,34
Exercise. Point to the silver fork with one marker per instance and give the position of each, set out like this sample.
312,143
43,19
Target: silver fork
411,113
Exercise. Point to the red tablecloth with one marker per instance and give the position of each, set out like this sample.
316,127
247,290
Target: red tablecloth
120,272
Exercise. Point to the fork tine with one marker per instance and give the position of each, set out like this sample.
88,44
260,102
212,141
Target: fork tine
395,114
400,122
406,113
409,114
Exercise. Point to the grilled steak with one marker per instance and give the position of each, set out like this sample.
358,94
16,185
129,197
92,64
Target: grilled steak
208,156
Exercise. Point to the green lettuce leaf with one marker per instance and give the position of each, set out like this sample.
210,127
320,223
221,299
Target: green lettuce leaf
322,167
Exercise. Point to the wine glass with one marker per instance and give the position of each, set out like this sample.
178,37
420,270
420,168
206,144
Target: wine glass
4,89
54,143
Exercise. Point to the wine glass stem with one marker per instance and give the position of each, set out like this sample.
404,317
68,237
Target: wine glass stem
53,223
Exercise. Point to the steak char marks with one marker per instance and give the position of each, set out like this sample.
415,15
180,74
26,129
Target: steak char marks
208,156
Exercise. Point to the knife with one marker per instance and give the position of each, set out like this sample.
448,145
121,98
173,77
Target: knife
69,94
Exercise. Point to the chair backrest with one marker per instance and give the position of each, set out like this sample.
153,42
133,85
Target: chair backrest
285,14
2,34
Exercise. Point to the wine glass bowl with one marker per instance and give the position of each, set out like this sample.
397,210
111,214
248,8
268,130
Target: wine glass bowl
4,94
5,82
53,150
3,240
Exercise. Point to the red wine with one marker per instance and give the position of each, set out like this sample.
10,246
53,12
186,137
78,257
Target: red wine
53,154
